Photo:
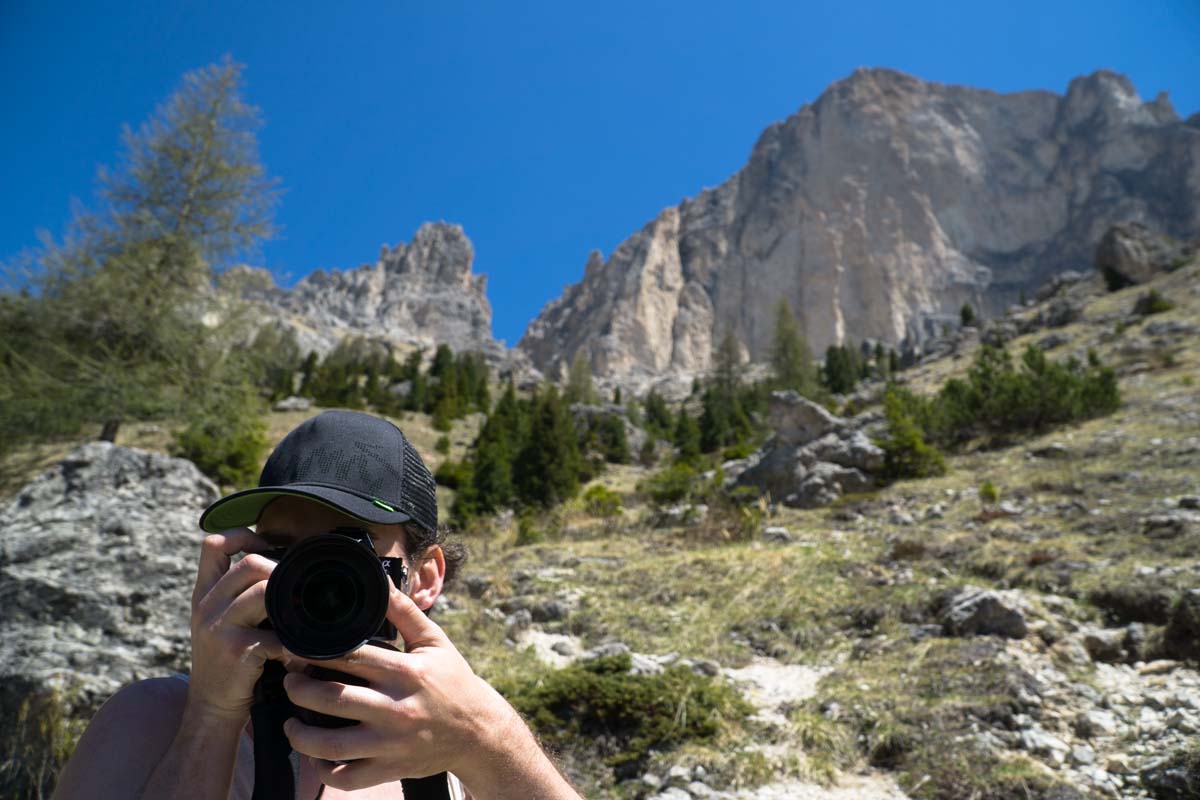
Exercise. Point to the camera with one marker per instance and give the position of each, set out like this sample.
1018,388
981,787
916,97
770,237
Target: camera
327,596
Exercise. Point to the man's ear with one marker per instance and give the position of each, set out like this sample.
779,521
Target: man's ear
425,580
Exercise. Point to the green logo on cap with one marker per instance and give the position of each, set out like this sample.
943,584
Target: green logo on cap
383,505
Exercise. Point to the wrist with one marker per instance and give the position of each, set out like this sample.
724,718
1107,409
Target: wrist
204,717
500,739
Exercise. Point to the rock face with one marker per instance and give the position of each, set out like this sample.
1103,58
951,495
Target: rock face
420,294
876,212
97,563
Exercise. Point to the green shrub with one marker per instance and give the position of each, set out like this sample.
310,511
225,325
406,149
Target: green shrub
997,399
988,493
671,485
601,501
1152,303
443,445
906,453
531,528
601,707
37,744
226,438
453,474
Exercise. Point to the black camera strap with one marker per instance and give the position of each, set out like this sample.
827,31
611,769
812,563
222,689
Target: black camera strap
273,777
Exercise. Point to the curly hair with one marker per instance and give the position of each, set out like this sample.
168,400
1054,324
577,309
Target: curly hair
418,541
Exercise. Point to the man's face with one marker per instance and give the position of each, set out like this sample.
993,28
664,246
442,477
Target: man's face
288,520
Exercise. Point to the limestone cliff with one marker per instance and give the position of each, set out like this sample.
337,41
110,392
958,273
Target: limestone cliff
877,211
420,294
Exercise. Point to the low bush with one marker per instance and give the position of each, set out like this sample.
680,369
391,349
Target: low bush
1151,303
996,400
600,501
226,439
906,453
37,744
601,707
673,484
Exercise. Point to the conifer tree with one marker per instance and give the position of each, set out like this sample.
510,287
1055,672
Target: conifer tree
580,388
686,437
499,442
116,331
659,420
548,466
791,360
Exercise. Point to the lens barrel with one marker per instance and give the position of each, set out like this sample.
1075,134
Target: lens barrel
327,596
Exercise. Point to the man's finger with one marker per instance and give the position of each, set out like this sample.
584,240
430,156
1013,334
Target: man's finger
249,608
336,699
353,776
262,645
413,625
374,663
244,574
334,744
215,553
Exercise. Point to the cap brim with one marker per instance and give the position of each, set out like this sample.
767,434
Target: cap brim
244,508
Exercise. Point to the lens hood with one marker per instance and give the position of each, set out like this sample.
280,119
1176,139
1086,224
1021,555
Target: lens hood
328,595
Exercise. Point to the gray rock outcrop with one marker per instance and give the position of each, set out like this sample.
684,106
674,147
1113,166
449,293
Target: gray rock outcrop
813,458
1131,254
877,211
973,611
98,559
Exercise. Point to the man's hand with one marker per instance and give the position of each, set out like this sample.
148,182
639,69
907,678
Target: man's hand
424,712
228,648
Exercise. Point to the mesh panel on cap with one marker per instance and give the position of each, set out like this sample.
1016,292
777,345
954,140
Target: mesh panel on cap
420,490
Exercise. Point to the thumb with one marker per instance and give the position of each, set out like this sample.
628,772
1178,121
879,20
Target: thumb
414,627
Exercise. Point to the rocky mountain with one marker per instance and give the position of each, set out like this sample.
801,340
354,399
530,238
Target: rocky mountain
418,294
876,212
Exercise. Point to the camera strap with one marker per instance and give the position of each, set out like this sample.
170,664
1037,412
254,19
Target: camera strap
273,776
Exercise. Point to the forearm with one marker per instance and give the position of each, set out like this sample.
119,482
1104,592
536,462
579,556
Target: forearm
511,765
199,763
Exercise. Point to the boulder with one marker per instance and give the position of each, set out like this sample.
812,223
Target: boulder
1130,253
797,420
293,403
973,611
98,559
823,483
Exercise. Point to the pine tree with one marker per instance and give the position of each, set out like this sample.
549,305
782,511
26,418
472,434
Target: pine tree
308,372
686,437
791,361
967,315
659,420
117,329
548,467
580,388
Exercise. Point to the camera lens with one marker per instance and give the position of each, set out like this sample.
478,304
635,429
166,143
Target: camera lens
327,596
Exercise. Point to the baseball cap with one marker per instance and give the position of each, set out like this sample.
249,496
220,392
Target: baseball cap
359,464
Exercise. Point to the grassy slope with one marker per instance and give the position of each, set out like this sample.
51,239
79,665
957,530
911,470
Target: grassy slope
836,597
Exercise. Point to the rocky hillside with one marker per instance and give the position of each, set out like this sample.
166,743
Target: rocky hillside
877,211
917,640
418,294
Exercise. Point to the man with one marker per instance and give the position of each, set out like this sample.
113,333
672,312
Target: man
423,710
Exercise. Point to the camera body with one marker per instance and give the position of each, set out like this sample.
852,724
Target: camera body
327,596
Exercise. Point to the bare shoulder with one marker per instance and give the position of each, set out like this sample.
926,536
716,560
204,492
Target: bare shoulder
123,742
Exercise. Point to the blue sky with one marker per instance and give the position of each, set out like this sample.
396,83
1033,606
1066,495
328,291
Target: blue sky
545,129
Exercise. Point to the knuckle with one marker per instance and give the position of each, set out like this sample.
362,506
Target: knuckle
212,543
